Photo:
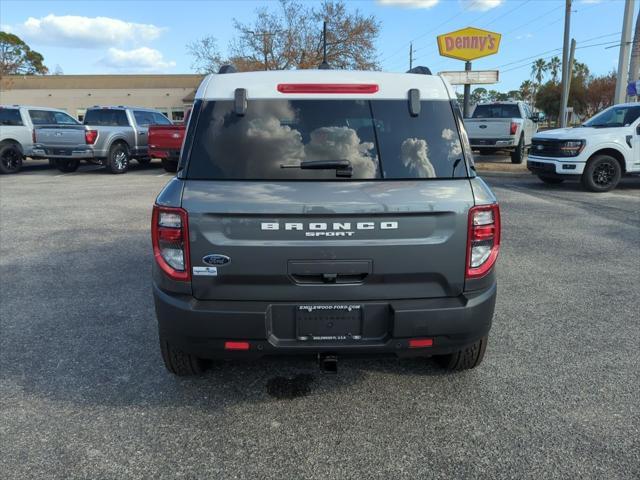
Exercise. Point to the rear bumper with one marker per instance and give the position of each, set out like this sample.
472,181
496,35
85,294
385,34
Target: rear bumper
555,168
168,154
202,327
493,142
66,152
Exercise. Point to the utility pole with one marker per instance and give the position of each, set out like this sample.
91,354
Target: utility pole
467,92
410,55
567,87
566,77
623,59
634,68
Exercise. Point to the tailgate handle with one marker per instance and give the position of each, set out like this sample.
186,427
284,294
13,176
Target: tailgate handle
329,272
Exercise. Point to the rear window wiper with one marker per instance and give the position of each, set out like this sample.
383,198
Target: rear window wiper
343,168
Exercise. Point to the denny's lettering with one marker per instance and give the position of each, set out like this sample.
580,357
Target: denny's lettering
469,43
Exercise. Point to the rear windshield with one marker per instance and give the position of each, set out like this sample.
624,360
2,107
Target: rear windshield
378,138
106,117
48,117
496,111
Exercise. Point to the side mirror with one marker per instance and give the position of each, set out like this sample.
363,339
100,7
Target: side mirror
638,129
535,117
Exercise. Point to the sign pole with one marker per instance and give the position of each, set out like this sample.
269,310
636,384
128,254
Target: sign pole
467,92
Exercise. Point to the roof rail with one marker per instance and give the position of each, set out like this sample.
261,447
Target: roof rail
420,70
228,68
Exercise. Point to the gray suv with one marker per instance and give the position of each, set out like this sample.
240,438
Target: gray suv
324,213
110,136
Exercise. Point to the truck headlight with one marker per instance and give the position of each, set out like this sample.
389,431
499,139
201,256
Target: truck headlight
572,148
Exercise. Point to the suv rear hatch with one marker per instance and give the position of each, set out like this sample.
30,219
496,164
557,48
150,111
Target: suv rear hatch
395,227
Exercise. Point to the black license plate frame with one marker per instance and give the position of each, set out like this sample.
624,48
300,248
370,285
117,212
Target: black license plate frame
329,323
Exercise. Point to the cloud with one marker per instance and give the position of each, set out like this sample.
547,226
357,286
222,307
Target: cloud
409,3
481,5
524,36
141,59
85,32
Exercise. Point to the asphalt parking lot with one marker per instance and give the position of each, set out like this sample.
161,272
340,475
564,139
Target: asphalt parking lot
84,393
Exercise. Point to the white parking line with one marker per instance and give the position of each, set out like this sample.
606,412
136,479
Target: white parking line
163,174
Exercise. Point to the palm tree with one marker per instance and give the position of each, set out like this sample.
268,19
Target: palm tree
554,68
526,90
537,70
580,69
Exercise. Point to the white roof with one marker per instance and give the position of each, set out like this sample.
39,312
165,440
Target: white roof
263,85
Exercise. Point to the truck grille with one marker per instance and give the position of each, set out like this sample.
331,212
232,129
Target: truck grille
546,148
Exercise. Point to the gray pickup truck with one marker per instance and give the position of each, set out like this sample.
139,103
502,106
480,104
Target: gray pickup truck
110,136
323,212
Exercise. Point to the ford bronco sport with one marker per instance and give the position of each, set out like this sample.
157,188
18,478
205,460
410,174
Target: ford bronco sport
327,213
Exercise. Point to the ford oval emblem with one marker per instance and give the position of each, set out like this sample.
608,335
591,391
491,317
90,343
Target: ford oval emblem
216,260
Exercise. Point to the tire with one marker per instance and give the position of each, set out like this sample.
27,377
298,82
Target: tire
143,161
180,363
67,166
10,158
170,165
517,156
465,359
601,174
550,180
118,158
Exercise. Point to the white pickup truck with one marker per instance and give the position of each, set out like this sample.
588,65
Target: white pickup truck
598,153
502,126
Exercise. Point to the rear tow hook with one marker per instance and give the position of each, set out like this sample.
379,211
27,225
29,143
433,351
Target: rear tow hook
328,362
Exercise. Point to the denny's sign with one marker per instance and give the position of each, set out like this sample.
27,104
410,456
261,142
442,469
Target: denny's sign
468,44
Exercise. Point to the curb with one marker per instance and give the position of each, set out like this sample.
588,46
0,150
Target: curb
496,173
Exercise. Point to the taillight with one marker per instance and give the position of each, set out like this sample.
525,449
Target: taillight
90,136
514,127
483,239
170,237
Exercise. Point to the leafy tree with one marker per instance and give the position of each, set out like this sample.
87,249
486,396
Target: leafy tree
554,68
515,95
538,69
206,57
291,37
478,95
600,92
16,58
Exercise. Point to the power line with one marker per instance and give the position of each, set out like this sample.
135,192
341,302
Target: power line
550,56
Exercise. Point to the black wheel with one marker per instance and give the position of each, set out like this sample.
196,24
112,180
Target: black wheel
170,165
179,362
144,161
67,166
550,179
469,357
601,174
518,154
10,158
118,158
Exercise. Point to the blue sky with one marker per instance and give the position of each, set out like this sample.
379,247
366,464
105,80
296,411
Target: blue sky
150,36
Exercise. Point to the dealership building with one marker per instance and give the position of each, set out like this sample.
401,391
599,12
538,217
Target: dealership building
171,94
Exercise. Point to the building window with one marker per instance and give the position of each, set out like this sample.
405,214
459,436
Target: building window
177,116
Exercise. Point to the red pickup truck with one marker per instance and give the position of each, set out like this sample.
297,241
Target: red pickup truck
165,142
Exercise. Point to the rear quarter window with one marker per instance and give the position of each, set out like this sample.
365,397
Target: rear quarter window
106,117
10,117
380,139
